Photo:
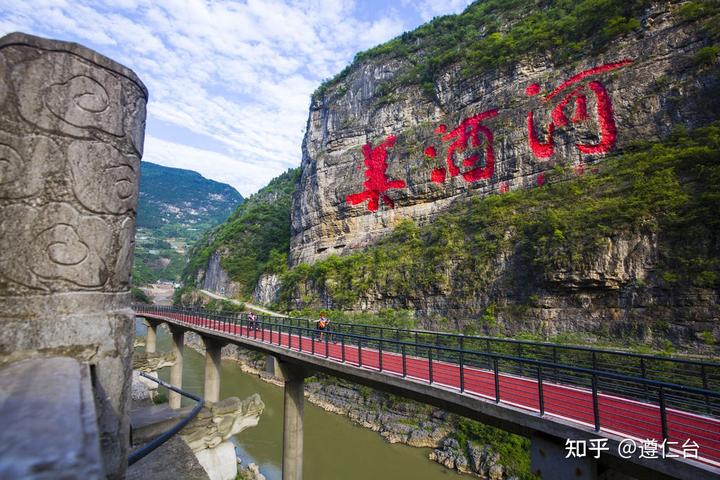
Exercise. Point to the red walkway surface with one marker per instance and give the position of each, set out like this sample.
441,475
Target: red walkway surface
624,417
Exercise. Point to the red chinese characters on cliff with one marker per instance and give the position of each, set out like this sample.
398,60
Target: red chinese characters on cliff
470,151
470,134
376,180
578,95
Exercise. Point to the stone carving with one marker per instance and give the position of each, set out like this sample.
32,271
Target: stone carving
68,191
62,93
104,180
54,245
3,84
71,135
219,421
151,362
23,170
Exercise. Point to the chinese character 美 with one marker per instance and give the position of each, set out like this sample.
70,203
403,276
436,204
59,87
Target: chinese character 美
376,180
575,448
603,109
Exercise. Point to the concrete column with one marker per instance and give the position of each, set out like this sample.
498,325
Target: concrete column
270,363
71,139
293,378
176,371
151,338
212,370
547,460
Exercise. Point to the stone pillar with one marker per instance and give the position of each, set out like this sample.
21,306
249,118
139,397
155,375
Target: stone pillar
212,370
151,338
270,363
547,460
294,379
72,124
176,371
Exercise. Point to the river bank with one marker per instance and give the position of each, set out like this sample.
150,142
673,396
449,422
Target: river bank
458,444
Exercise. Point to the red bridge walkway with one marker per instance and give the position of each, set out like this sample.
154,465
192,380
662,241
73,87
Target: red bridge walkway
685,432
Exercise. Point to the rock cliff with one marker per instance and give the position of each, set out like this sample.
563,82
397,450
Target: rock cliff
480,198
470,136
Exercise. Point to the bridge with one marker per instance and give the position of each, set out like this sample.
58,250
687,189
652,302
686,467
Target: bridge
550,393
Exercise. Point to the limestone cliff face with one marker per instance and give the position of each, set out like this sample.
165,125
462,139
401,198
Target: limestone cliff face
635,89
216,279
266,290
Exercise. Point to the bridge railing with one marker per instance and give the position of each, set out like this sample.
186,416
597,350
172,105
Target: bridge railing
538,384
684,371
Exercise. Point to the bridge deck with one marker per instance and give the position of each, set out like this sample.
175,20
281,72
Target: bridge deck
624,417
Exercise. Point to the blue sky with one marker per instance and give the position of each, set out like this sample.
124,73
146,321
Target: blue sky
229,82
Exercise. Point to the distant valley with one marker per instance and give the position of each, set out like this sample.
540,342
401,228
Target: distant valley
175,208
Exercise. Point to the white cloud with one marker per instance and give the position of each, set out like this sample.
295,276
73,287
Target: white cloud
237,73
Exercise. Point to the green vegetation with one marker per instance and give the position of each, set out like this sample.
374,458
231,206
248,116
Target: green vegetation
182,198
670,189
256,237
513,449
175,207
493,34
224,306
139,295
153,264
385,317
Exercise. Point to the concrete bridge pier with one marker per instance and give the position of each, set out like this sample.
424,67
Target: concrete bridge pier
293,377
212,369
176,371
547,460
151,338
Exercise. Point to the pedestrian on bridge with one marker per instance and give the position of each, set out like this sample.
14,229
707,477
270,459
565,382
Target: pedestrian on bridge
321,325
252,321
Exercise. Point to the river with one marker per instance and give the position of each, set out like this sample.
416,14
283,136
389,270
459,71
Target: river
334,448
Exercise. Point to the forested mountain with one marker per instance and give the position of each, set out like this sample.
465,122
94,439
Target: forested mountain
175,208
255,239
174,196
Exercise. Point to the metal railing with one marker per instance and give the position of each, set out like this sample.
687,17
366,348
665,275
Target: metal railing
596,396
164,437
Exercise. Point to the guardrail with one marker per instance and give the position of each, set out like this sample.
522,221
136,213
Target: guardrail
603,399
164,437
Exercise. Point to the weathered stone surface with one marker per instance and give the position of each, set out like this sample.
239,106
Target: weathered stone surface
142,389
151,362
647,96
267,289
172,461
71,137
218,421
220,463
216,278
48,429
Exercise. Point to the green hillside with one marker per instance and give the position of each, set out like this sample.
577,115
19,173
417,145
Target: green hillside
497,33
256,237
175,208
669,189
